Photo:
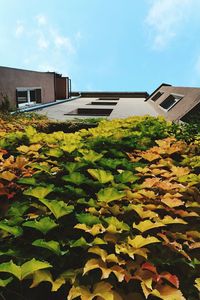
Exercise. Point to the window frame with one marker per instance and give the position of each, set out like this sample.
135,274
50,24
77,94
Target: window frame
177,98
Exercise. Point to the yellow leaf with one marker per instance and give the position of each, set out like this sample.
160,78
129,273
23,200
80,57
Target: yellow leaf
139,241
101,291
94,230
197,285
169,293
171,201
99,264
130,251
150,156
105,256
169,220
7,175
147,225
143,213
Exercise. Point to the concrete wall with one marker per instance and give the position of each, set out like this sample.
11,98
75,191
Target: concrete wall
191,97
10,79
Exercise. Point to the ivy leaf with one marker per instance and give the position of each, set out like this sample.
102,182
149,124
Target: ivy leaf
147,225
44,225
54,152
110,194
142,212
87,219
167,292
139,241
73,166
45,276
101,175
75,177
58,208
28,181
39,192
169,220
15,230
79,243
18,209
114,225
50,245
102,290
7,175
197,283
94,230
5,282
127,176
69,148
90,155
10,267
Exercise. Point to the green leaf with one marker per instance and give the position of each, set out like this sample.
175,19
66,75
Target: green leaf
5,282
73,166
8,252
15,230
10,267
18,209
33,265
87,219
127,176
110,194
44,225
54,152
28,181
79,243
101,175
50,245
39,192
58,208
90,155
30,131
75,177
69,148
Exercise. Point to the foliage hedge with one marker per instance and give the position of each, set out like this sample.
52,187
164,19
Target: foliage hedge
111,212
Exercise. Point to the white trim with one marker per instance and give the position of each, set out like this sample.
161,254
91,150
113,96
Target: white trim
24,89
177,98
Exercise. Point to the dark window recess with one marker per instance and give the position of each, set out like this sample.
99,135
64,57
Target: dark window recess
108,98
102,103
90,112
22,97
156,96
38,96
170,101
193,115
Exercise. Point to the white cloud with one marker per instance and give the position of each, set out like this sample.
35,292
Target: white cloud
19,30
165,18
41,19
42,42
63,42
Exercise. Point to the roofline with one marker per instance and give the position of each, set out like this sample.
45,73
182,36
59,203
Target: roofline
162,84
25,70
108,93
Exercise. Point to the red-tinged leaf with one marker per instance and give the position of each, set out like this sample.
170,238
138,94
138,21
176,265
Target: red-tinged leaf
173,279
149,267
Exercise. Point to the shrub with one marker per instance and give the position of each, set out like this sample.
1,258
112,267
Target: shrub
106,213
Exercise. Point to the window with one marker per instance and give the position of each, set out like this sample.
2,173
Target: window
193,115
156,96
27,96
170,101
102,103
90,112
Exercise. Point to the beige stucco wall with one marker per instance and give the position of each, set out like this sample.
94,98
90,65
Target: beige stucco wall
10,79
190,99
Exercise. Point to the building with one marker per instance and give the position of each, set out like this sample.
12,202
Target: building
173,103
23,87
176,103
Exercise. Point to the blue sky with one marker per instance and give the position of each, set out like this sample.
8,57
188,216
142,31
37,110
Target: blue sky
116,45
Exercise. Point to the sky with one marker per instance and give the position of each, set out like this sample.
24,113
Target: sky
104,45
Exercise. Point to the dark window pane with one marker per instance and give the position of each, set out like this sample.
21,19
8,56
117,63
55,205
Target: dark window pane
156,96
168,102
22,97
